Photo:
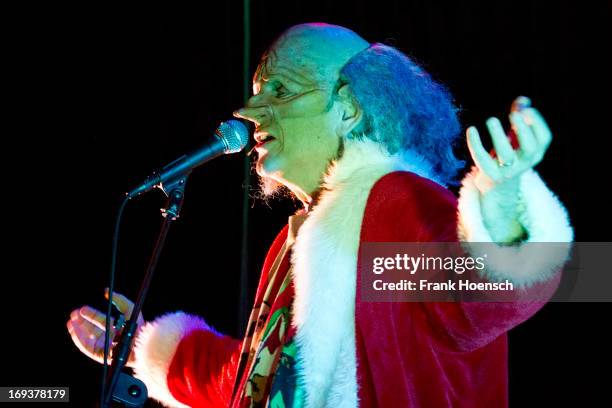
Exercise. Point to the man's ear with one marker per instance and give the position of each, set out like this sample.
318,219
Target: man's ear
349,109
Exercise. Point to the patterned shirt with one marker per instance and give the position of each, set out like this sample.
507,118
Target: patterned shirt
267,372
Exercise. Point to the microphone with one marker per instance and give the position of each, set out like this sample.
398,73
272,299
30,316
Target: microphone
230,137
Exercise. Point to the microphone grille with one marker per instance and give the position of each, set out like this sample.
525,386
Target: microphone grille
233,134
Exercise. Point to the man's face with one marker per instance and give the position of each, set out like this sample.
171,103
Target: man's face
293,111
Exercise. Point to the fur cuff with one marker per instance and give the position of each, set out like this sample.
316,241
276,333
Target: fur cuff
154,350
543,217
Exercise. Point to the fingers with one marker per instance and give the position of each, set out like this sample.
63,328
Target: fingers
503,148
122,303
481,157
93,316
540,128
533,134
86,328
533,119
527,141
125,306
520,103
85,336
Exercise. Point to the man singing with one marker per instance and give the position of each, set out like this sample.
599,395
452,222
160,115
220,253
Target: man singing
363,137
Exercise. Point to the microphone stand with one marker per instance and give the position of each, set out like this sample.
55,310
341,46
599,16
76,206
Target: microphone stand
121,387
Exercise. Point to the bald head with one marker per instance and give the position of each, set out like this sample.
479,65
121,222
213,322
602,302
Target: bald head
317,50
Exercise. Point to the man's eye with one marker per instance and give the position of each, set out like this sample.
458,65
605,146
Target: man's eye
281,91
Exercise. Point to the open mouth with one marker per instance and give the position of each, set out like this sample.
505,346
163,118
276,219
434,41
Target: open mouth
261,141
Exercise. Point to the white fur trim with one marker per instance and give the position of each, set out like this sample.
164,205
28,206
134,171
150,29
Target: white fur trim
325,272
154,350
544,219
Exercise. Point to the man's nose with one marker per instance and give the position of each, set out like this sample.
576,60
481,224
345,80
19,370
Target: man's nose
259,115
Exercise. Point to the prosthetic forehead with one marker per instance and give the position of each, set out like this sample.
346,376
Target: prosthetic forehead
311,54
296,68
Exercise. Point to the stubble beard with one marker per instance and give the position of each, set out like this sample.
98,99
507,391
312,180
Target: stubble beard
270,189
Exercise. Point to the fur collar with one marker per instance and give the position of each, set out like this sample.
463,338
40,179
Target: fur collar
325,271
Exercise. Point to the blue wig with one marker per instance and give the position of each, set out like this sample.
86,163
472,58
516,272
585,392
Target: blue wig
404,108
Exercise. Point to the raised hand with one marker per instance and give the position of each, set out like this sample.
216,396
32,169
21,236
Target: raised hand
534,137
498,178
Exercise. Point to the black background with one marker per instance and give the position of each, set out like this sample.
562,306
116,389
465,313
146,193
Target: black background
97,97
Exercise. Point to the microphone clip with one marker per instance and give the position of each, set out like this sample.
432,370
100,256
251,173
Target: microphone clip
175,191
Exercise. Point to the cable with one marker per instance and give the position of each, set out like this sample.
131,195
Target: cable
111,287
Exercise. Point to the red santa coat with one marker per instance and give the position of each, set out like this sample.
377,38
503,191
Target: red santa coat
353,353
